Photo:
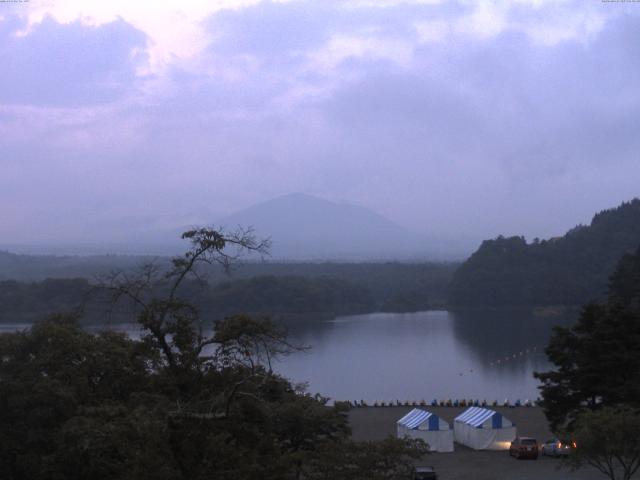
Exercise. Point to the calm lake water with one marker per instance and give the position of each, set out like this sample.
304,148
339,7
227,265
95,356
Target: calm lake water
488,354
424,355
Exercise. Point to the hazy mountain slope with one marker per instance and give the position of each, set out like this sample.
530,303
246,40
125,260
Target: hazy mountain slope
39,267
569,270
302,227
306,227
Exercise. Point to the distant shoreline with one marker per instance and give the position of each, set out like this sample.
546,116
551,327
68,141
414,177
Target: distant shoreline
542,312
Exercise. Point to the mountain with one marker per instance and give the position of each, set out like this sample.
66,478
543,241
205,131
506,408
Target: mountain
303,227
569,270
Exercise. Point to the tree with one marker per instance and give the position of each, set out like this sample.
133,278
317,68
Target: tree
598,359
608,440
625,284
568,270
179,403
390,459
56,374
173,326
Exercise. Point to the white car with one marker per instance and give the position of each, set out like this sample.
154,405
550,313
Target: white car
556,448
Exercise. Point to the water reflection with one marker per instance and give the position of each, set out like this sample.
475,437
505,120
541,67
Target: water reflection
510,339
476,354
425,355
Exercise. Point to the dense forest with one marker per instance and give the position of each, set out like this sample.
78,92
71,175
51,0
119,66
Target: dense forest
591,393
287,289
175,404
259,295
597,359
26,302
392,285
570,270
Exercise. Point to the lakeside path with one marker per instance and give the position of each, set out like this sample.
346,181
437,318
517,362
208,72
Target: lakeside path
370,423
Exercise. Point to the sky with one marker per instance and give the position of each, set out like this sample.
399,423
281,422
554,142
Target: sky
455,119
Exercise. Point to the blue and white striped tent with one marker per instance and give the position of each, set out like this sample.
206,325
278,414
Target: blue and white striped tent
429,427
483,429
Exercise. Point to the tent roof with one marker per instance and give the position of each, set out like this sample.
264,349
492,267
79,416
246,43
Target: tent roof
475,416
415,418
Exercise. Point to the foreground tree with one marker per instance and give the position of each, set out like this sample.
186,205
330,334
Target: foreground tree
390,459
597,360
608,440
56,381
178,404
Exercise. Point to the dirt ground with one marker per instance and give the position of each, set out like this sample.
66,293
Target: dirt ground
377,423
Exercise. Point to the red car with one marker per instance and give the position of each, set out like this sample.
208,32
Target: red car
524,447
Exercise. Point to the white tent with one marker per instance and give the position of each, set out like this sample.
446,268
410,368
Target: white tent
428,427
483,429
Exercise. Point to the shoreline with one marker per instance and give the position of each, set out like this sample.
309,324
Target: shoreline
376,423
372,424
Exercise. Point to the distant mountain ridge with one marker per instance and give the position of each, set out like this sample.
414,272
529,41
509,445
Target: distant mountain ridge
304,227
569,270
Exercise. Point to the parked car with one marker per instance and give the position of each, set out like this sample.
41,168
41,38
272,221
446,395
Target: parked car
524,447
557,448
425,473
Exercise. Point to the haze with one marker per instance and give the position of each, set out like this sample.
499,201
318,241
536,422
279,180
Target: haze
455,120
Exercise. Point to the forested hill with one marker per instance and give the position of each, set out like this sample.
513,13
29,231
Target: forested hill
569,270
272,289
32,286
28,302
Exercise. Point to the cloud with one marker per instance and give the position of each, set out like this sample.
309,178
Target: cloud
460,118
342,48
67,65
174,31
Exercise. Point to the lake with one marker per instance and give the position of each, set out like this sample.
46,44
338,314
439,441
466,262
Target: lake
425,355
479,354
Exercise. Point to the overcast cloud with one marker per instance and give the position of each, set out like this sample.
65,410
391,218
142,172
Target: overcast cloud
455,119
